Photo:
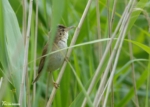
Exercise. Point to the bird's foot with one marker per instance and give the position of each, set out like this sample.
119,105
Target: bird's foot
66,59
56,85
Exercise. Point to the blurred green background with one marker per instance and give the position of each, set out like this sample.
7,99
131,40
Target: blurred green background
84,59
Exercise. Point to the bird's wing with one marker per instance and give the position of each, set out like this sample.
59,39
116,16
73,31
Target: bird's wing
42,61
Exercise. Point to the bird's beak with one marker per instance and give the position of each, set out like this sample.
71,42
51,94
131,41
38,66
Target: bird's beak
69,28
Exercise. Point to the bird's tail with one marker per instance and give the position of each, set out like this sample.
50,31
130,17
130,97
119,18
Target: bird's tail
37,77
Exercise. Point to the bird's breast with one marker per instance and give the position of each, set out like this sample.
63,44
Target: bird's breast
56,59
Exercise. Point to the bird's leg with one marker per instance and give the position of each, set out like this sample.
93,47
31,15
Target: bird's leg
56,85
66,59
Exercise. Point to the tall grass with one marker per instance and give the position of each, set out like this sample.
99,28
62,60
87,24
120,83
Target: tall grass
107,62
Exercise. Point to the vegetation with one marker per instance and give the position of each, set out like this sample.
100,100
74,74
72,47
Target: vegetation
108,52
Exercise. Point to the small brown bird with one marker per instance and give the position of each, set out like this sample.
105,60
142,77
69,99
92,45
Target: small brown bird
56,59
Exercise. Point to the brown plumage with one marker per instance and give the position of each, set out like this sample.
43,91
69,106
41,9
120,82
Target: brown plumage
56,59
42,61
